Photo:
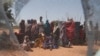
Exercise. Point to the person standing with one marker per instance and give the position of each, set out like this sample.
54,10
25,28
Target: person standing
47,32
28,29
21,31
56,34
70,30
22,26
63,35
41,26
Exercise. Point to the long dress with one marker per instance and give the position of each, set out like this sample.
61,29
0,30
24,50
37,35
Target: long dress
22,27
56,33
28,30
70,31
34,32
63,36
41,28
47,32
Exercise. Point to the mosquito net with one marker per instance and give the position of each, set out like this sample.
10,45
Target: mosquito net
91,10
9,45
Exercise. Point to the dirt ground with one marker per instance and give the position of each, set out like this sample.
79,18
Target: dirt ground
12,53
74,51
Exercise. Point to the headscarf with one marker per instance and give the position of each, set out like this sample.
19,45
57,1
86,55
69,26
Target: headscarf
47,28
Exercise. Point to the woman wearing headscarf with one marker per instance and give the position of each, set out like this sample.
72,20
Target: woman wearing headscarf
22,26
22,31
56,34
28,29
34,30
70,30
63,35
47,32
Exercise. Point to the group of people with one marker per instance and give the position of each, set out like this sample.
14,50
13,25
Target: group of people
45,35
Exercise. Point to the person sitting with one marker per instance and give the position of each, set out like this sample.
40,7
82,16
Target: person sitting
39,41
26,44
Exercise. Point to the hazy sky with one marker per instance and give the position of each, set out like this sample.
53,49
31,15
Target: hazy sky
56,9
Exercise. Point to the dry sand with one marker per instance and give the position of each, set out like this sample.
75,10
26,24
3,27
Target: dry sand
74,51
12,53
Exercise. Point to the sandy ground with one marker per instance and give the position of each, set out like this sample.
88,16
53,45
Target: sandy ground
12,53
74,51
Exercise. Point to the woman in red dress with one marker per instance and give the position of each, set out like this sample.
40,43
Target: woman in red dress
70,29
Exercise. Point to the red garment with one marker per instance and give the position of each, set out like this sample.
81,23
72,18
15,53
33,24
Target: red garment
82,34
70,30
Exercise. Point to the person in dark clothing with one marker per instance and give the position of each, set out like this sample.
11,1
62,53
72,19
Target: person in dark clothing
56,34
47,32
20,37
63,35
34,30
28,29
47,28
21,33
22,26
82,35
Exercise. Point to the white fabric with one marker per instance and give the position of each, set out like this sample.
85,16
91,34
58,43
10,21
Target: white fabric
55,28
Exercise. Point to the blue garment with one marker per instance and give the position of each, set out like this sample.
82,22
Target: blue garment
47,28
47,31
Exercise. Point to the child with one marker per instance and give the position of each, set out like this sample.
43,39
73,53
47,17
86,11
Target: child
26,44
